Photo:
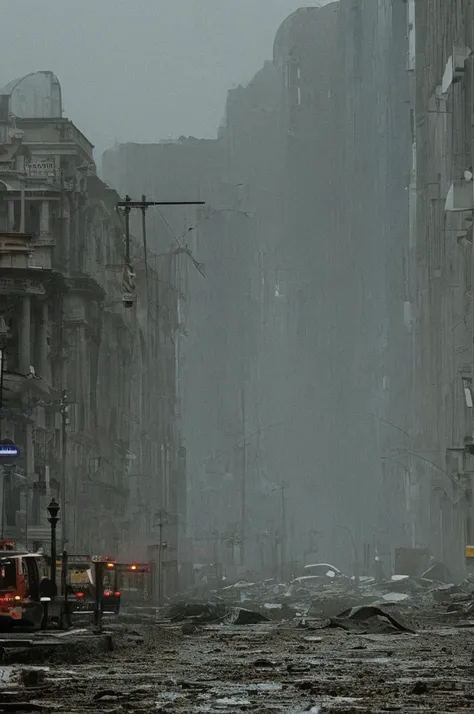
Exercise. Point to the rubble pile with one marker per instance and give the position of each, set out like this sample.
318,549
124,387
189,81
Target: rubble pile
332,599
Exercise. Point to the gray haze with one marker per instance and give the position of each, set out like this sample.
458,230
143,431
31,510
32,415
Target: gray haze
284,371
139,71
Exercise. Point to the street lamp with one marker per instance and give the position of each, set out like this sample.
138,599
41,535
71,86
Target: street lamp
3,345
64,408
53,510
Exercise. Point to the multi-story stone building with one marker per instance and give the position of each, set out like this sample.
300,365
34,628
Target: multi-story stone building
84,394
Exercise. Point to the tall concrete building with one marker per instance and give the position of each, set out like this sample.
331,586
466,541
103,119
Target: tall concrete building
259,363
78,395
378,303
325,368
409,200
442,455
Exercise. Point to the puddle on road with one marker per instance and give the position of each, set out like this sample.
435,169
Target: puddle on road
265,687
172,696
6,676
374,660
327,705
222,704
9,674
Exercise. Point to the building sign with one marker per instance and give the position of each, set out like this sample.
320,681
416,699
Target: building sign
7,167
41,167
9,450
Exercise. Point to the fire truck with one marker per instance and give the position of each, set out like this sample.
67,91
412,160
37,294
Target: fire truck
20,588
26,592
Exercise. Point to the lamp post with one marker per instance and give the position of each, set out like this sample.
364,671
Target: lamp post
3,345
64,408
53,510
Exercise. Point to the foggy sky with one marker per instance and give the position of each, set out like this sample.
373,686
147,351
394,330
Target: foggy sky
141,70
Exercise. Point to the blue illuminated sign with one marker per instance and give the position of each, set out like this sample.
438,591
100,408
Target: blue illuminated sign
11,451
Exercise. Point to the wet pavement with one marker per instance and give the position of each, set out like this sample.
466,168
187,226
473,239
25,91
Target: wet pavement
269,668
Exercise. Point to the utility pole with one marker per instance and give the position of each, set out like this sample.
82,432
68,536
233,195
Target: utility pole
243,515
283,532
145,250
64,422
143,205
161,547
3,344
160,564
216,558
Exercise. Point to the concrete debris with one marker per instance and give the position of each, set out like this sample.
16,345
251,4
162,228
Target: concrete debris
247,617
420,688
442,595
189,628
106,695
197,612
264,663
276,668
298,667
330,606
20,707
318,597
370,620
209,613
32,677
438,571
395,597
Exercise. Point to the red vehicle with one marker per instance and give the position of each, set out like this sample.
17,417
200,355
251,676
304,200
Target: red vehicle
20,600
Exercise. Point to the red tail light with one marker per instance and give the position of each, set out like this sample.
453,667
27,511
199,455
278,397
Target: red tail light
107,593
79,594
117,593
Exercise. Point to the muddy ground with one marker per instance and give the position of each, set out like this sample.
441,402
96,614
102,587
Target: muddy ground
267,668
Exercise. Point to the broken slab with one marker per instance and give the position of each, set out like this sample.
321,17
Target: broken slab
370,619
438,572
241,616
202,612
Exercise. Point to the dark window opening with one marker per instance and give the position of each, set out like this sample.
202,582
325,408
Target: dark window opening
7,575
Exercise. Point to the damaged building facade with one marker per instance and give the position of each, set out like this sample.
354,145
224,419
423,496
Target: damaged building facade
77,395
326,362
260,360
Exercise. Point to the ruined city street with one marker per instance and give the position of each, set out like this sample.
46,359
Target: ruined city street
237,356
269,667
